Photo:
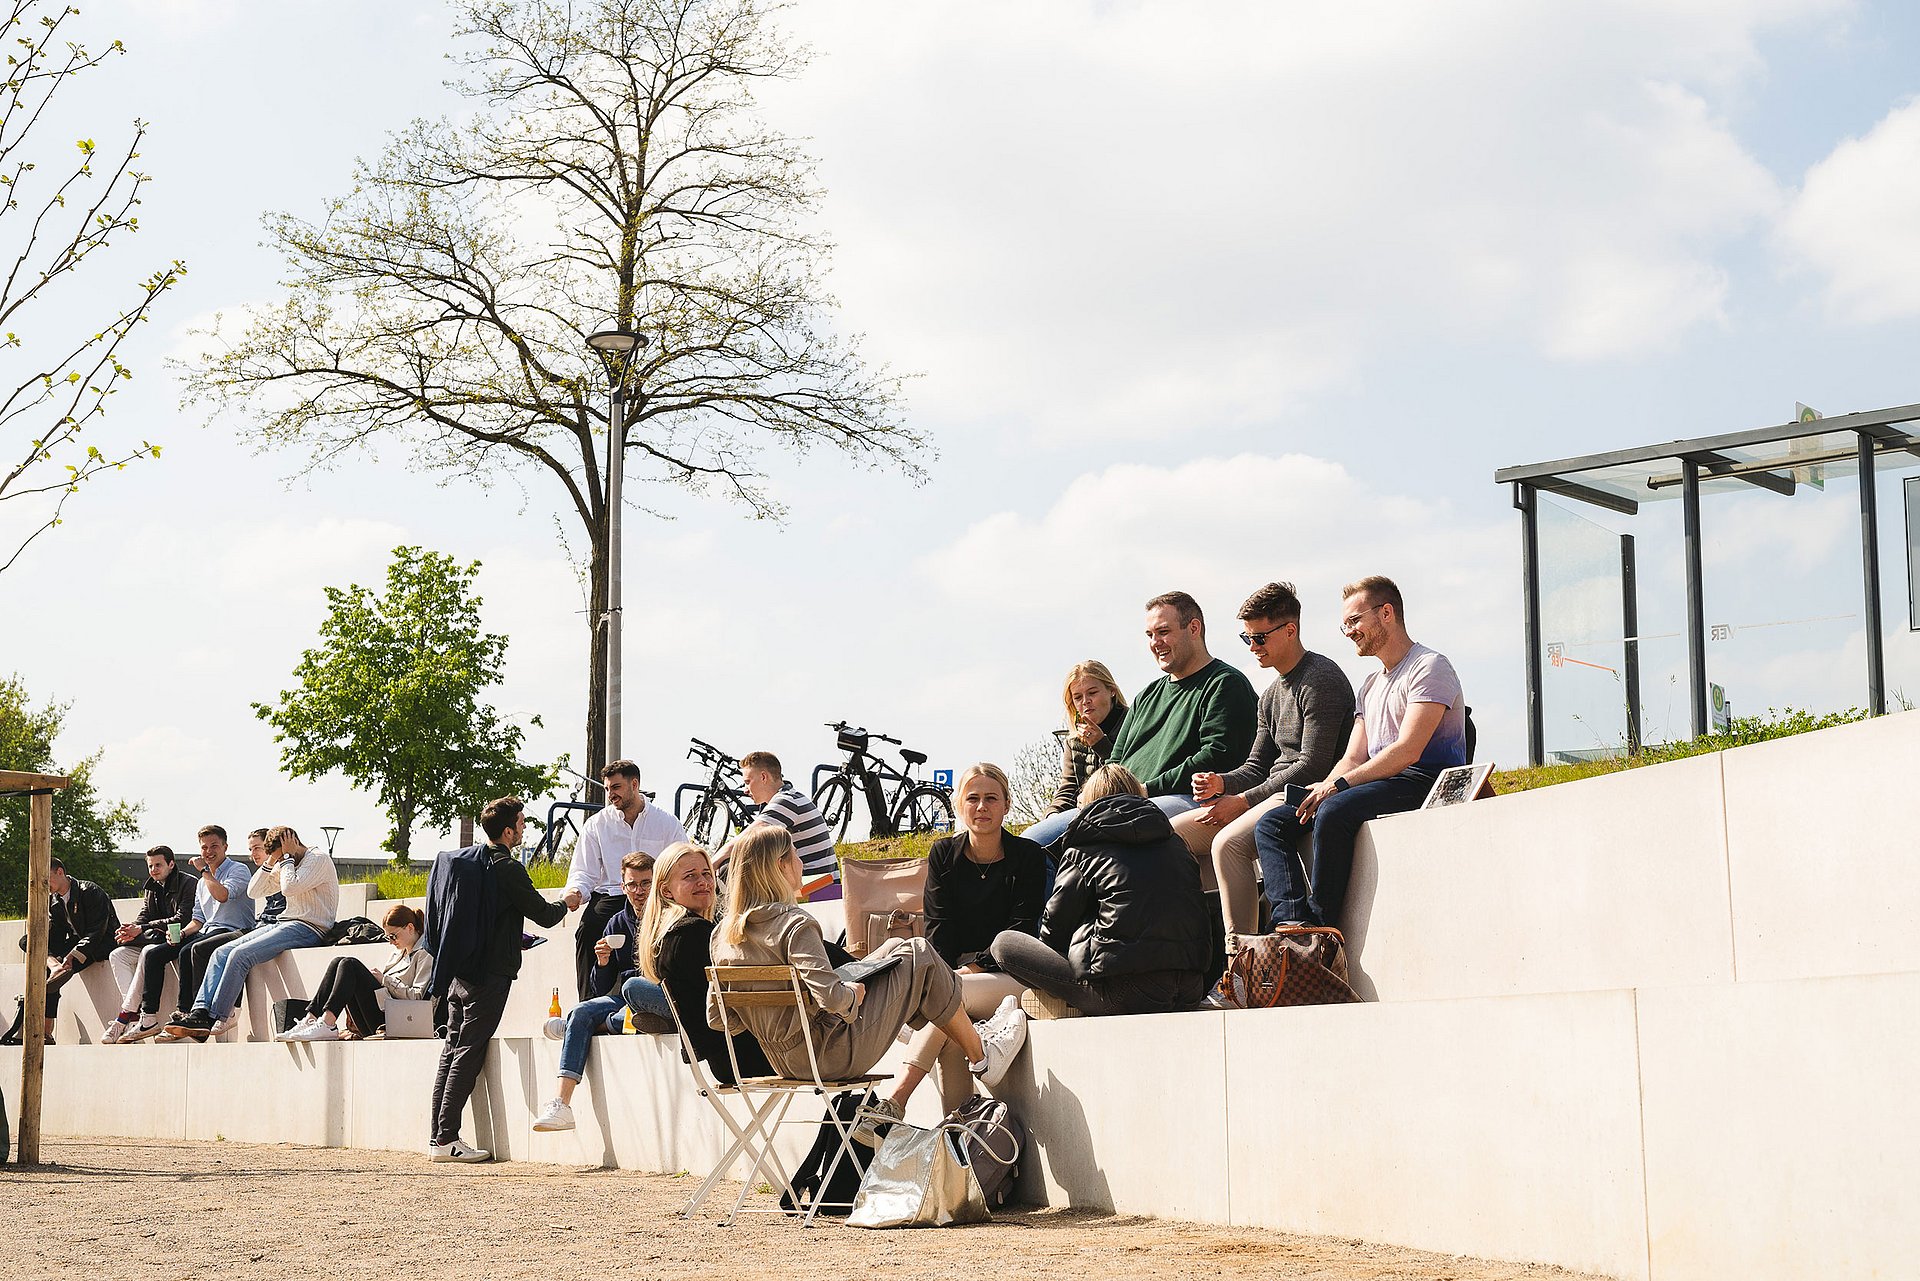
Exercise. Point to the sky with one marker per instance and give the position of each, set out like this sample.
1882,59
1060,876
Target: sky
1193,297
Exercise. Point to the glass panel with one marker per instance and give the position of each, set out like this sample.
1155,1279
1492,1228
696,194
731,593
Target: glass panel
1584,705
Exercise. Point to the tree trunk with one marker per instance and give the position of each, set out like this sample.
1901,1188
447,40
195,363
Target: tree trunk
401,842
596,754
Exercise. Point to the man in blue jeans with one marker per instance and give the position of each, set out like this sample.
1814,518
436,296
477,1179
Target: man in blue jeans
1412,724
617,987
312,889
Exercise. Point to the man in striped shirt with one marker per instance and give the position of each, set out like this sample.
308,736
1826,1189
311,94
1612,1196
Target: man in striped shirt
783,804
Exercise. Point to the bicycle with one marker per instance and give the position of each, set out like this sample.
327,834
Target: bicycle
915,806
723,807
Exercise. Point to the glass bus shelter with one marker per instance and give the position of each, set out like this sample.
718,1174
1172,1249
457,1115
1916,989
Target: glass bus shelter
1668,584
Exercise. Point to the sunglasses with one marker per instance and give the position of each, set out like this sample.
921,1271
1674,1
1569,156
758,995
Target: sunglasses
1250,639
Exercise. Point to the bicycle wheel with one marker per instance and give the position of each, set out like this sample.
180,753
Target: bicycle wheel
926,809
834,799
710,824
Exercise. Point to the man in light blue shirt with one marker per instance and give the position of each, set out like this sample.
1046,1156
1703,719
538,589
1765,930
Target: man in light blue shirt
221,907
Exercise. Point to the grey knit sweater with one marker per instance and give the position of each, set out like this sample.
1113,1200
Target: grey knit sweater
1305,719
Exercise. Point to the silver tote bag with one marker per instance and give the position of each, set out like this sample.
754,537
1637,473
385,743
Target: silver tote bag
917,1180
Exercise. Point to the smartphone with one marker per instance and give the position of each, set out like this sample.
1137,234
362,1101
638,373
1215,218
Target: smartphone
1296,794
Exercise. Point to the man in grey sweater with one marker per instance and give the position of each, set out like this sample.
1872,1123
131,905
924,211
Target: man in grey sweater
1304,718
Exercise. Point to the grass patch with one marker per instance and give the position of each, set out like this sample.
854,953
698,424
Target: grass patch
398,882
910,845
1745,730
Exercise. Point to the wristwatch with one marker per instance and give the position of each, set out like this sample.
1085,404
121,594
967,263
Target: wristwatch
1340,784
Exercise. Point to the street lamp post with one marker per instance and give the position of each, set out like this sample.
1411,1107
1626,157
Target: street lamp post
616,348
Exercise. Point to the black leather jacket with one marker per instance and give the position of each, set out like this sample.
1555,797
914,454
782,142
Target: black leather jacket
1127,899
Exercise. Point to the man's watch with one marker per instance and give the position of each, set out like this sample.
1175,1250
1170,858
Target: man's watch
1340,784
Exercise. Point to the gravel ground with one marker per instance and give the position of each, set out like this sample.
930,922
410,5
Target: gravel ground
135,1210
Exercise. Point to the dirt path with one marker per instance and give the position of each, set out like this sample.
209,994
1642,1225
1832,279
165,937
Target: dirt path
138,1210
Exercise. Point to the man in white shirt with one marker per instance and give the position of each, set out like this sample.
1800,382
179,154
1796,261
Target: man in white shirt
627,825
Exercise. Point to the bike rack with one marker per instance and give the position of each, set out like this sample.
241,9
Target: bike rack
680,793
818,770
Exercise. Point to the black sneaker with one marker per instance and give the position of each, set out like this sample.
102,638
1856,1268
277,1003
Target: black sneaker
196,1023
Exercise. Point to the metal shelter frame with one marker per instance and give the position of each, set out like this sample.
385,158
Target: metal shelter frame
39,790
1778,459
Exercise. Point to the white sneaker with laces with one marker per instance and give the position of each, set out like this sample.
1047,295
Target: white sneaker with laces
1002,1046
556,1029
220,1028
115,1030
298,1032
555,1116
458,1150
321,1031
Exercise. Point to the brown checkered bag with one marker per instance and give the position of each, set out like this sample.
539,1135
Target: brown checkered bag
1294,965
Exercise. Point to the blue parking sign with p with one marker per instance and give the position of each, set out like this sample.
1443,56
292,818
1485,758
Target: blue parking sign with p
943,778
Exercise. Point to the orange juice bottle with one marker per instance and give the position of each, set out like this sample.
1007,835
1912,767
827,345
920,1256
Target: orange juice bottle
553,1007
629,1027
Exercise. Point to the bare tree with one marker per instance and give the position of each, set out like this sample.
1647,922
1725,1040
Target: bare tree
618,170
1035,776
55,214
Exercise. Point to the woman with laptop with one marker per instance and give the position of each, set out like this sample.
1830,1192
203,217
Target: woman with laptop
351,988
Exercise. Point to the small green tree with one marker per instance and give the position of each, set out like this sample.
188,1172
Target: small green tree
86,829
391,699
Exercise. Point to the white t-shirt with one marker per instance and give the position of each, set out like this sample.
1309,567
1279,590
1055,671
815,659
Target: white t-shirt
608,837
1421,676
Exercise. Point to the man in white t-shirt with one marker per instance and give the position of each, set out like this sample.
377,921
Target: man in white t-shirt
627,824
1412,724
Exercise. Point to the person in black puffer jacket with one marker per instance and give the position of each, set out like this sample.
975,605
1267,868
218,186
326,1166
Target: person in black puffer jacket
1127,930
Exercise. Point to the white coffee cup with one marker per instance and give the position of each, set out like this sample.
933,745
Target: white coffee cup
614,941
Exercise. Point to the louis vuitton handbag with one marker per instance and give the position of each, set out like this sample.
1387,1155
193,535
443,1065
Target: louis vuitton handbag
1294,965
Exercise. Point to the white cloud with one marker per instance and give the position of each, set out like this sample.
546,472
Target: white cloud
1856,221
1140,224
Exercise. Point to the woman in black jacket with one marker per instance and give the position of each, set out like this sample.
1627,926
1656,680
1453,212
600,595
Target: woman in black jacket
1095,711
1127,930
982,881
673,951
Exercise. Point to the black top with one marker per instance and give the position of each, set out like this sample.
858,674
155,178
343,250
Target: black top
967,903
84,922
682,961
168,901
515,901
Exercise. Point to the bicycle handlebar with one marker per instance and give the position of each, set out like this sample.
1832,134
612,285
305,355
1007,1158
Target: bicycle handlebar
861,729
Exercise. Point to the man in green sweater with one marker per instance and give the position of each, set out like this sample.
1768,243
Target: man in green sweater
1198,718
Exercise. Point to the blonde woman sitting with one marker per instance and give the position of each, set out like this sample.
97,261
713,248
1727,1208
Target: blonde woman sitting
764,925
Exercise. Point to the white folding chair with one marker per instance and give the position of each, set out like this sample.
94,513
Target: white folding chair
768,1098
714,1093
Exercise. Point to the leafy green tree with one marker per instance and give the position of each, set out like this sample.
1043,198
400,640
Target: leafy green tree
615,172
58,209
391,699
86,829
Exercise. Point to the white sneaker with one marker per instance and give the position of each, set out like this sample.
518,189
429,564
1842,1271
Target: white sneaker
556,1029
115,1030
221,1027
458,1151
1002,1046
555,1116
321,1031
1000,1018
298,1032
150,1027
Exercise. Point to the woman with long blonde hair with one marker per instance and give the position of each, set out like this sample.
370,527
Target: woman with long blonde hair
1095,711
675,939
764,925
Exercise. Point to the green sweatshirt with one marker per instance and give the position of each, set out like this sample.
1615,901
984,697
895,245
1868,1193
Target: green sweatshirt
1176,729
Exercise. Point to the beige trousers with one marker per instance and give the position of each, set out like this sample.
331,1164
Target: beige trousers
1228,852
931,1051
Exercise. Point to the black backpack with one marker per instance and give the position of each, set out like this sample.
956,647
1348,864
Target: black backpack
836,1198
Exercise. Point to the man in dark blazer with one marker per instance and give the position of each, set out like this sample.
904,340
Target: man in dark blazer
80,929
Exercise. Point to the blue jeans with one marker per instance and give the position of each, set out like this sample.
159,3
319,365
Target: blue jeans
603,1014
1284,844
227,971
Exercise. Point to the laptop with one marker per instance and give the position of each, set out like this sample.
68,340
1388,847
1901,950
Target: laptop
409,1020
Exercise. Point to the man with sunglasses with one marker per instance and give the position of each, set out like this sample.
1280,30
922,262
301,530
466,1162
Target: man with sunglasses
1411,724
1304,718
